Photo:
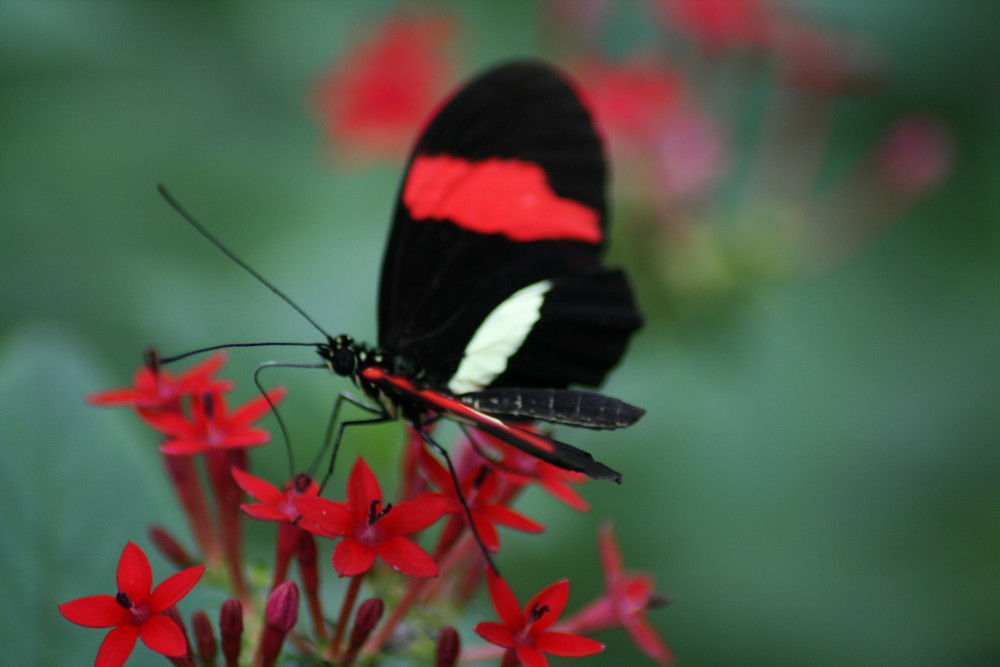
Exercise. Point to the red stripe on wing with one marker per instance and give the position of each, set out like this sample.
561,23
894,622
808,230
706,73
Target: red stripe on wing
496,196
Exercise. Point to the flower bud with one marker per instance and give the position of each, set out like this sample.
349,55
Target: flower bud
204,637
169,547
231,629
449,645
280,615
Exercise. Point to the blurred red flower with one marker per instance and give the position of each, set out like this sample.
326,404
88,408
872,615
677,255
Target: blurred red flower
213,426
374,100
626,599
720,25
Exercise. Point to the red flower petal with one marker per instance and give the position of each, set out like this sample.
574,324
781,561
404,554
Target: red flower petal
161,634
362,489
495,633
350,557
94,611
173,588
257,488
512,519
122,396
332,518
197,379
435,471
567,645
414,515
185,447
504,601
531,657
611,556
406,556
171,423
263,512
135,576
248,437
117,646
487,532
257,407
566,494
648,640
554,597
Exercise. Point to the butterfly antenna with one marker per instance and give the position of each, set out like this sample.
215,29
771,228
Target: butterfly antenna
174,204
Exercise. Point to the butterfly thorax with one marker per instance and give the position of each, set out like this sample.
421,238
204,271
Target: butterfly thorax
347,357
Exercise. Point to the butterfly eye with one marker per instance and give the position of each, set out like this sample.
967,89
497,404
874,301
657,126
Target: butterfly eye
344,361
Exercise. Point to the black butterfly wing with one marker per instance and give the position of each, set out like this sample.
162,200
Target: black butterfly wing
505,195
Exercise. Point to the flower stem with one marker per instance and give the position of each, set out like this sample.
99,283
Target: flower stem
184,476
345,615
227,498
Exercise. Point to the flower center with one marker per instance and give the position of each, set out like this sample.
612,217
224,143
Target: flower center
373,513
139,613
537,611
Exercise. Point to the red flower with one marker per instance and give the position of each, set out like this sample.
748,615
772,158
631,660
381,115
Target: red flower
630,101
626,599
484,495
520,468
525,632
135,612
211,426
154,389
274,505
720,25
377,97
371,528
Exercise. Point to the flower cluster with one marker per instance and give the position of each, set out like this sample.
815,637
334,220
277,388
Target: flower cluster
421,555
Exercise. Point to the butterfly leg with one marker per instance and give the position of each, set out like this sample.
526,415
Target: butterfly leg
419,428
335,431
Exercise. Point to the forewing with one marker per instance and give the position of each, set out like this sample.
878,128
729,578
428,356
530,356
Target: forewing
504,189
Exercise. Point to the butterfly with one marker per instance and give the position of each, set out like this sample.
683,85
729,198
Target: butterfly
494,302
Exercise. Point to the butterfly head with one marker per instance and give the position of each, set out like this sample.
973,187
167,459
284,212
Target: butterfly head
341,354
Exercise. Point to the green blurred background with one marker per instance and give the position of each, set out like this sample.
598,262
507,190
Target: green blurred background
816,481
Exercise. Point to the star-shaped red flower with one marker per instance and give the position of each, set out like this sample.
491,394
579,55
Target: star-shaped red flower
275,504
483,492
213,426
525,633
136,612
155,389
371,528
627,598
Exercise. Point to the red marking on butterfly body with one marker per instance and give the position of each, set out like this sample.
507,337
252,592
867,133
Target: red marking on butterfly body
496,196
459,410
